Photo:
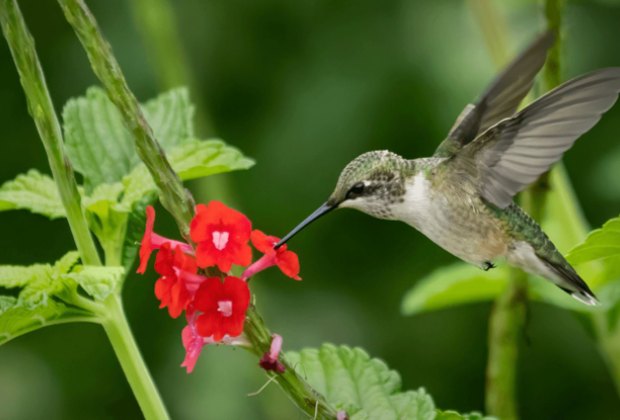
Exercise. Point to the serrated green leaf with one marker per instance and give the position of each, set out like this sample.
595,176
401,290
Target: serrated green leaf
199,158
12,276
454,285
39,301
38,281
6,303
40,289
453,415
363,387
170,116
107,218
600,243
97,143
415,405
32,191
98,281
19,319
192,159
347,377
66,262
103,198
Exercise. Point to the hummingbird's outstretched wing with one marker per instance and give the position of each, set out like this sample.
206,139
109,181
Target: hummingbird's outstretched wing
501,98
516,151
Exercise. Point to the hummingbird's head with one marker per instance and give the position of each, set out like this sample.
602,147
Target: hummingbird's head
369,183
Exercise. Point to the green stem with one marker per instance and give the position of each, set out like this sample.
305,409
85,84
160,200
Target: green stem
298,390
505,323
116,327
509,310
42,111
173,195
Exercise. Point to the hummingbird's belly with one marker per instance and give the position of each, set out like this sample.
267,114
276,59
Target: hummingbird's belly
456,221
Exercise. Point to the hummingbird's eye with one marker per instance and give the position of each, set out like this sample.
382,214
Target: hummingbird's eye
356,190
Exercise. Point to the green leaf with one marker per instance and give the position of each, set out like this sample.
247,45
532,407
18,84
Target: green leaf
98,281
40,300
38,281
32,191
97,143
170,116
453,415
192,159
107,218
600,243
348,378
66,263
199,158
364,388
6,303
12,276
19,319
454,285
417,405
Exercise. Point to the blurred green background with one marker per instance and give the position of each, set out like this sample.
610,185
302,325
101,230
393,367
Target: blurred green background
304,87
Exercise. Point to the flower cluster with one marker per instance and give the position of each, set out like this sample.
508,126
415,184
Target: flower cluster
198,281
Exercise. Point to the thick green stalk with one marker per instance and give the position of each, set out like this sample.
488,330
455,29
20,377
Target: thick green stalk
116,327
172,194
42,111
509,310
298,390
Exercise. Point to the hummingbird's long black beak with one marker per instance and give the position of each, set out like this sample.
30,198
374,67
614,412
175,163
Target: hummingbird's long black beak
324,209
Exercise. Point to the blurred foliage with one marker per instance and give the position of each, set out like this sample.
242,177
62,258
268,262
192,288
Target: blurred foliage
303,87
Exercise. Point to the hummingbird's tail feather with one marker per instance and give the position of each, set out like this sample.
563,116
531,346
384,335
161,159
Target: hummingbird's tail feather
571,282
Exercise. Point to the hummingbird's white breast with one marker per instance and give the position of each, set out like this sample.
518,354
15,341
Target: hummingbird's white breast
452,219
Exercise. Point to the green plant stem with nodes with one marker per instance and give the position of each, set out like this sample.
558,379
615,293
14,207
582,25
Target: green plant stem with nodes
175,199
298,390
42,111
109,314
510,308
172,193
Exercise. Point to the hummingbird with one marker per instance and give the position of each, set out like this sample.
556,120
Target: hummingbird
461,197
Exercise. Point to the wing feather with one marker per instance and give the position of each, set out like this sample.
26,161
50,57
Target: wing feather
516,151
501,98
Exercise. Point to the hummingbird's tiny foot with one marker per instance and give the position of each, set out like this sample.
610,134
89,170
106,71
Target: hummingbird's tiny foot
487,265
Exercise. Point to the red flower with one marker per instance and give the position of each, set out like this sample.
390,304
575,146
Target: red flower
287,261
270,361
152,241
193,344
223,305
222,236
178,273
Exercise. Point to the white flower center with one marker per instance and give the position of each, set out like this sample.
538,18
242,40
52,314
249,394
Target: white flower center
220,239
225,307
